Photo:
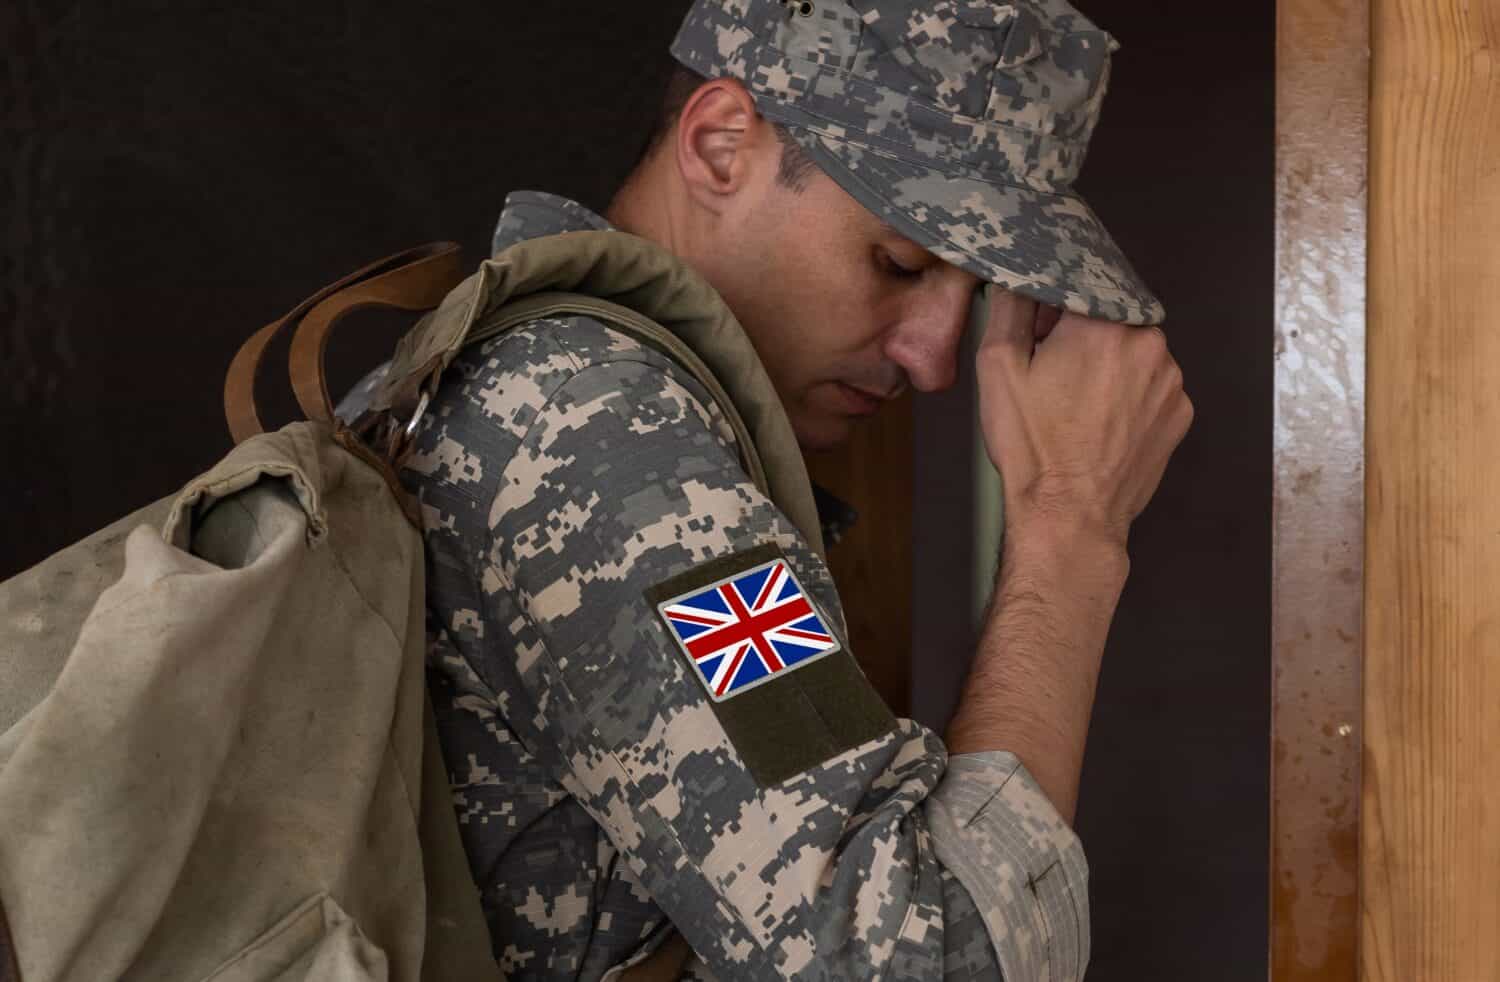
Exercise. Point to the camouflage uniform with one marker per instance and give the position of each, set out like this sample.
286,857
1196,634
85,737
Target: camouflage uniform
568,475
564,471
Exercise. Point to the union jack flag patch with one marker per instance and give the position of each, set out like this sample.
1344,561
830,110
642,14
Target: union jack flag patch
747,628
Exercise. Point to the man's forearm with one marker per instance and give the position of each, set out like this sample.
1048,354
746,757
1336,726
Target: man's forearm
1031,686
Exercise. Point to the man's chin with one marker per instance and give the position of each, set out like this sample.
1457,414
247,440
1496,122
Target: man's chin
825,432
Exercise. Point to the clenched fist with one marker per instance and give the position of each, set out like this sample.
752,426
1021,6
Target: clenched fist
1079,416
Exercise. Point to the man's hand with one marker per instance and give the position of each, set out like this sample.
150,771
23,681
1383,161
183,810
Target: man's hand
1080,426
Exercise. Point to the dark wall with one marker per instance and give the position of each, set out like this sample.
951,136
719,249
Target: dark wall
1174,806
176,174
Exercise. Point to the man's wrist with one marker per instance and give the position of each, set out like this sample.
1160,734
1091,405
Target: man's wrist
1060,552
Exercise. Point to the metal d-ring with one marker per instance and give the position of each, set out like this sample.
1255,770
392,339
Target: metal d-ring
416,417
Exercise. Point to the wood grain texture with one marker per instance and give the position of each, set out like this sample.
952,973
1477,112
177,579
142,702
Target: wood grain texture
1430,835
1322,105
872,563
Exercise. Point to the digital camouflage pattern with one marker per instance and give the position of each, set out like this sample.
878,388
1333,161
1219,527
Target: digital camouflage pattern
962,123
563,471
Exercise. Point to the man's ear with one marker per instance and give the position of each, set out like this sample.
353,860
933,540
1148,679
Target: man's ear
719,140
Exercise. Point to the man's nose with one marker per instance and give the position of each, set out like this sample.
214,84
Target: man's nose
926,341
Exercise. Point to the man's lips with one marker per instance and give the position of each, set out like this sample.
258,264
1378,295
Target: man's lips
858,401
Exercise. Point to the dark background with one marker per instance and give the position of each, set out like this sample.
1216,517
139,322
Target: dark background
1174,803
177,173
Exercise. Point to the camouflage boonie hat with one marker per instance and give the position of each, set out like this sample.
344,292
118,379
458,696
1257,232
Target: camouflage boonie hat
962,123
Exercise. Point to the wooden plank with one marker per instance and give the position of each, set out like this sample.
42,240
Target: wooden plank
1430,837
872,563
1321,152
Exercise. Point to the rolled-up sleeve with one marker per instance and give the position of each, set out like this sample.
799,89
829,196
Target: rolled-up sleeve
995,830
810,837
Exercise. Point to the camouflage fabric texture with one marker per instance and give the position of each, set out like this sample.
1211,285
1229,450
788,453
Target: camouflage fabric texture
962,123
563,471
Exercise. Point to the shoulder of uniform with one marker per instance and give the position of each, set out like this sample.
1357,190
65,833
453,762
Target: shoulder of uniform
549,351
578,340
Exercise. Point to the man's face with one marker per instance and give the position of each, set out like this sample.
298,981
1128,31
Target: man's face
844,312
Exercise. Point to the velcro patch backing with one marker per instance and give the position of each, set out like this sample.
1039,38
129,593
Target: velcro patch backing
787,693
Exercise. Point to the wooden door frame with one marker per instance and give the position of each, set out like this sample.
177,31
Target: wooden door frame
1429,848
1322,151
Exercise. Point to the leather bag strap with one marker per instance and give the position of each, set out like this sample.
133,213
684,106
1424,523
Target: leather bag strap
414,279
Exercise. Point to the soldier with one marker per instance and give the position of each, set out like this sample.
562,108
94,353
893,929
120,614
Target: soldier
845,173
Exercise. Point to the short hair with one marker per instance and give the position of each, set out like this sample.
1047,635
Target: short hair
795,164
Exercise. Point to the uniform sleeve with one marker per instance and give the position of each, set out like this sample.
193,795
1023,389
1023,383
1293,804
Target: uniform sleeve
876,859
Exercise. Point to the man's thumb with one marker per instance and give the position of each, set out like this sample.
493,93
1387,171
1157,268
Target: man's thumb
1009,326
